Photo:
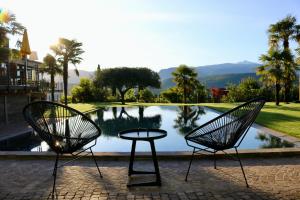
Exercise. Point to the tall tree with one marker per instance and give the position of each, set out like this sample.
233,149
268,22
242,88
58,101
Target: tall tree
68,51
123,79
51,67
284,31
186,80
272,70
297,37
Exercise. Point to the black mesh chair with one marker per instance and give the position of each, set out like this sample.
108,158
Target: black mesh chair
66,130
225,131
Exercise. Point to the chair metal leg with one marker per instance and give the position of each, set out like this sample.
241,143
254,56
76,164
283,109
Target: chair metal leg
215,160
187,173
237,154
96,163
54,175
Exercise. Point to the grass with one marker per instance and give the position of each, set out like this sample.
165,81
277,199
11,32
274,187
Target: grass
284,118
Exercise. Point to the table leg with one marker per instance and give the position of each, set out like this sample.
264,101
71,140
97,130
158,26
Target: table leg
158,181
132,157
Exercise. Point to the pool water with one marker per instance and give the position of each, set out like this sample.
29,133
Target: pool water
176,120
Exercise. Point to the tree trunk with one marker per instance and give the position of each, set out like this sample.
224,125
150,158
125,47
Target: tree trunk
286,44
52,85
65,78
286,47
287,92
122,97
184,91
277,89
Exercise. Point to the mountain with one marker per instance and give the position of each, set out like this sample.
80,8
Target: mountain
218,75
213,81
224,80
217,69
73,78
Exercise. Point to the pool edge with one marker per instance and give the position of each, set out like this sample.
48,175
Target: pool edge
245,153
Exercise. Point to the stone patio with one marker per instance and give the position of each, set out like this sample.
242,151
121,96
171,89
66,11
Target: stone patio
269,178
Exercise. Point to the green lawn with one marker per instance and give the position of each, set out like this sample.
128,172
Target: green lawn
284,118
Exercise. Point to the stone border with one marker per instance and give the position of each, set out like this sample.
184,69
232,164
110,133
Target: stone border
278,134
182,155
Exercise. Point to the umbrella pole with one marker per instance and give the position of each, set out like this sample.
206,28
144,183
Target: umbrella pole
25,72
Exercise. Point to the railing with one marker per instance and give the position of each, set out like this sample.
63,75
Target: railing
17,84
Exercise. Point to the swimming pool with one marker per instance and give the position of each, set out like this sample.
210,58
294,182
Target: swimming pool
176,120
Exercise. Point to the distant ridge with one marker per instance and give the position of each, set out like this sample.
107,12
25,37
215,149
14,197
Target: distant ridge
218,75
73,78
220,81
217,69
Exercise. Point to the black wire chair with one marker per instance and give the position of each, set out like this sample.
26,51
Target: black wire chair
64,129
225,131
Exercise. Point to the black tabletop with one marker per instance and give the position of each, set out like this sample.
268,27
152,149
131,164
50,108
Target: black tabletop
142,134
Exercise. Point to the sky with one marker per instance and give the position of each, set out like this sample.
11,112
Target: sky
153,33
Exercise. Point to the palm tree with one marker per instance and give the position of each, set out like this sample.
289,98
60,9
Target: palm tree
272,70
284,31
9,26
297,38
51,67
185,79
68,51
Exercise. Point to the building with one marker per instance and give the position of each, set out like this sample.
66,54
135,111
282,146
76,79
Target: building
218,93
19,85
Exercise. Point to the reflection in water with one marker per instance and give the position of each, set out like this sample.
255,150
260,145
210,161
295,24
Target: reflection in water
187,118
270,141
122,121
177,121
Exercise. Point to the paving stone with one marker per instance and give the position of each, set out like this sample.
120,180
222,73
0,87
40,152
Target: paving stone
269,178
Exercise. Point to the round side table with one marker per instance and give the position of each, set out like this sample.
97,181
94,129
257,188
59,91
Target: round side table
149,135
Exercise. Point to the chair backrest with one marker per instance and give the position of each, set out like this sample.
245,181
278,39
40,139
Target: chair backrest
229,129
56,122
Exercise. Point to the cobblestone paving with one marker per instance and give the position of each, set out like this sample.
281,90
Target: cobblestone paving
270,178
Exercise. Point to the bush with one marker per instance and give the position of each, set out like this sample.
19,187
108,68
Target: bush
146,95
83,91
171,95
249,88
130,95
69,99
99,94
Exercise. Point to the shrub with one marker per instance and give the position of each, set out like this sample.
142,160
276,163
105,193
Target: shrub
83,91
249,88
171,95
62,99
99,94
130,95
146,95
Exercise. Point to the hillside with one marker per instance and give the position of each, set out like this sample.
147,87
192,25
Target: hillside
213,81
73,78
218,75
218,69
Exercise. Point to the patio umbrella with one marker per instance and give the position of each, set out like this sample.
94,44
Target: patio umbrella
25,48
